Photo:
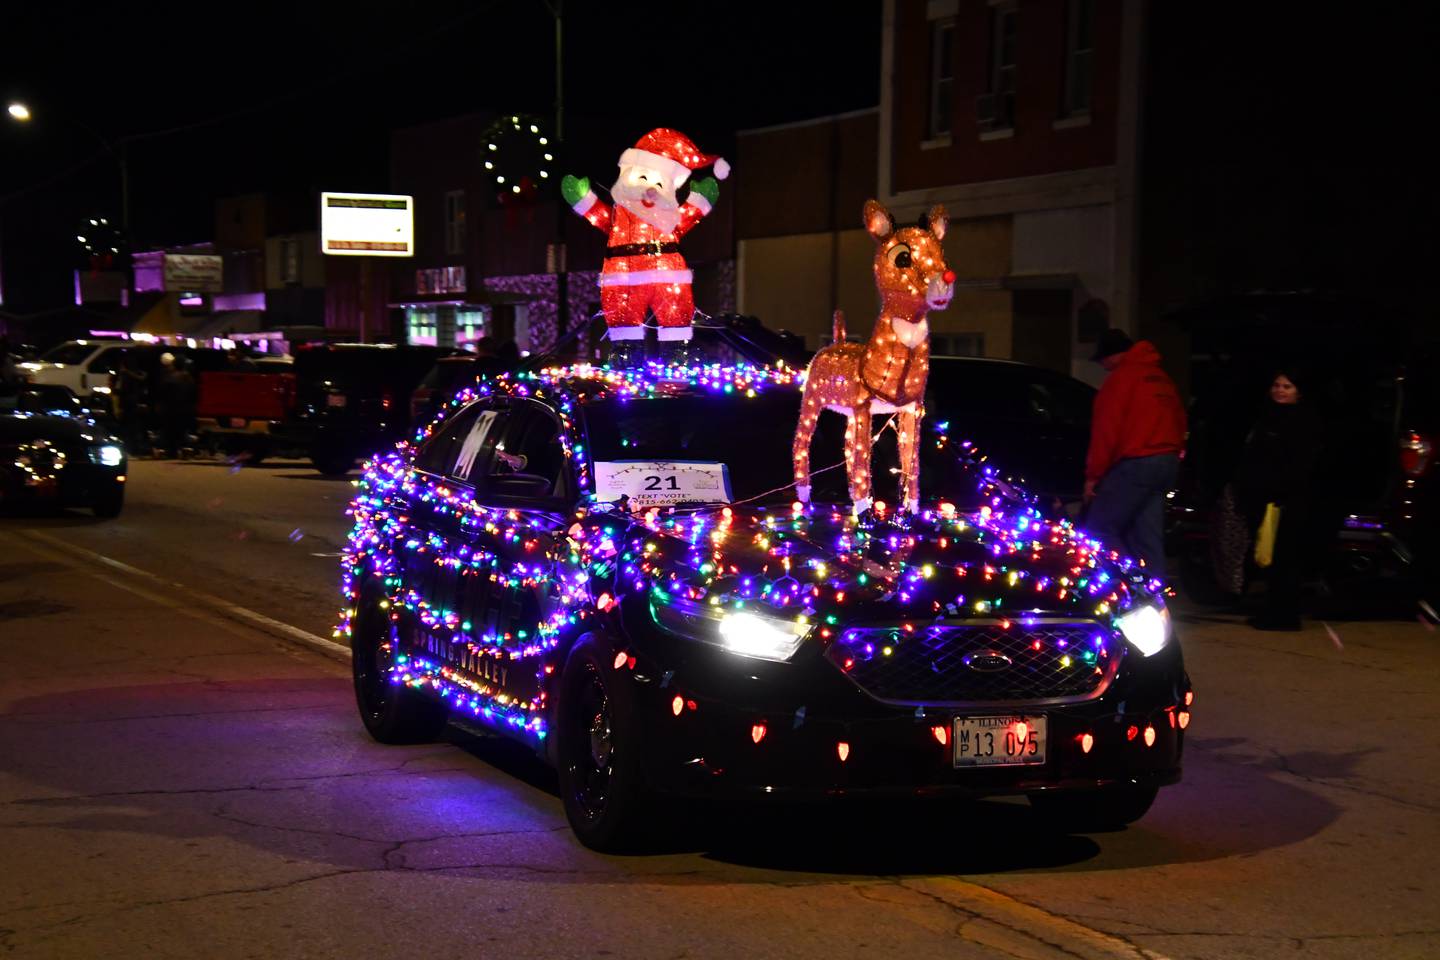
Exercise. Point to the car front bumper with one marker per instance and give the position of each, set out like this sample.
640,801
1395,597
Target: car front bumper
718,724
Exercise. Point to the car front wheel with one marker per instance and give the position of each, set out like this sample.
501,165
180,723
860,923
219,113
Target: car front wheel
1094,811
601,780
109,503
333,464
392,713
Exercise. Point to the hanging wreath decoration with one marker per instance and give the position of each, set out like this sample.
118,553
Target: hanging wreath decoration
102,245
518,156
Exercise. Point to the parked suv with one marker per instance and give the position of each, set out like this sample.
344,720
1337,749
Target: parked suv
1378,394
83,366
353,399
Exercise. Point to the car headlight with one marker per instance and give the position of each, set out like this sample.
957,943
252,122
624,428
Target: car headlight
743,632
1147,628
108,455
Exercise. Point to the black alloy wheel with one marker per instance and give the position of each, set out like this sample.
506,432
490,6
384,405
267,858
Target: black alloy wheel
601,782
1093,811
391,713
332,463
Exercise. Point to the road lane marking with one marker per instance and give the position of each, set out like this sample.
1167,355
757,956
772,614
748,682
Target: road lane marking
1028,922
219,605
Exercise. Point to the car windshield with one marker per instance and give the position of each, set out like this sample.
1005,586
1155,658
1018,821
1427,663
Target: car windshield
68,353
752,439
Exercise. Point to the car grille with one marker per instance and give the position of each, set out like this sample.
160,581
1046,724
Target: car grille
980,661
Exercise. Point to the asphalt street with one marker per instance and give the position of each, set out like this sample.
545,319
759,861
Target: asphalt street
182,773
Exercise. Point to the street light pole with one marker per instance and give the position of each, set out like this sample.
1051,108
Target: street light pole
562,276
21,113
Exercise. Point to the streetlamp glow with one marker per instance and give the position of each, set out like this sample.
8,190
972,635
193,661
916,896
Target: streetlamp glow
19,111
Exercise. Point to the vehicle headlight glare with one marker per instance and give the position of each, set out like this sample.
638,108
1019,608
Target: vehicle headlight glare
745,633
110,455
1147,628
768,638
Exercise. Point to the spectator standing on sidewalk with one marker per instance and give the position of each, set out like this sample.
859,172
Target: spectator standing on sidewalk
1136,436
129,388
175,404
1278,466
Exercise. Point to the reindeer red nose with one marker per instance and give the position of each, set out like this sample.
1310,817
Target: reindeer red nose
949,276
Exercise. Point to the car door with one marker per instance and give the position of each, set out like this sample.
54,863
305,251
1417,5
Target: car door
435,553
526,487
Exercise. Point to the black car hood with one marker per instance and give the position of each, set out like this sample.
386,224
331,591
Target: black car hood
823,564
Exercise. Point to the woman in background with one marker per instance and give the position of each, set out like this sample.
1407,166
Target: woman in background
1278,467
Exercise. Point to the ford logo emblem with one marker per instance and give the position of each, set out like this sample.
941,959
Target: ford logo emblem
991,661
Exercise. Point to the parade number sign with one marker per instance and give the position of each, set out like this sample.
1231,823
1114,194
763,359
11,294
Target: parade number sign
655,483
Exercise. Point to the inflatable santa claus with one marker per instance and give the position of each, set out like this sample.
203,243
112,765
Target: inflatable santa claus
644,270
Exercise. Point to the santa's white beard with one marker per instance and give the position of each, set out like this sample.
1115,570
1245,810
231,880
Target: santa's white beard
664,215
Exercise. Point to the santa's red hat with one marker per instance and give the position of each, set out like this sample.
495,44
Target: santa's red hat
673,154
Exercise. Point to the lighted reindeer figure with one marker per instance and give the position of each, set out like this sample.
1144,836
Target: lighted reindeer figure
888,372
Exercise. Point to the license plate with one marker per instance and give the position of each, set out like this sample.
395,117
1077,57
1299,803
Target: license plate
238,422
335,400
1000,740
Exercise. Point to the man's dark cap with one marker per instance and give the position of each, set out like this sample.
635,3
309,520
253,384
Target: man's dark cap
1111,342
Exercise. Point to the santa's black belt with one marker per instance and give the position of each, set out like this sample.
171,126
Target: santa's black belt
652,249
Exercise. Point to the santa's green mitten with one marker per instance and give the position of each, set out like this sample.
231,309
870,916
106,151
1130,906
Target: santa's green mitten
709,188
574,189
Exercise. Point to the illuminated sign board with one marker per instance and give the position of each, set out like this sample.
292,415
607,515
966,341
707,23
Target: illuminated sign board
367,225
194,273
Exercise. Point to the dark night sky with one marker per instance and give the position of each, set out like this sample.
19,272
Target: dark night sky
303,96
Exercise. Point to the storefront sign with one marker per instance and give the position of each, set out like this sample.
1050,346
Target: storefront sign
367,225
194,273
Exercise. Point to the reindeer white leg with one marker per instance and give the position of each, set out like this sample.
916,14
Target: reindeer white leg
857,455
909,444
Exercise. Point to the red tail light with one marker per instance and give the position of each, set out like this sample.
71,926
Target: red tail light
387,399
1417,453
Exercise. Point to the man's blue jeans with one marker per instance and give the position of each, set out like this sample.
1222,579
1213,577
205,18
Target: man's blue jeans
1128,512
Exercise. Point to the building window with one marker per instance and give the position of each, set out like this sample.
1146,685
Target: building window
996,107
289,260
1079,57
421,327
470,327
942,77
455,221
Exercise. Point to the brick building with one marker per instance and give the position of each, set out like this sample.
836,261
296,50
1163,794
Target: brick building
1021,116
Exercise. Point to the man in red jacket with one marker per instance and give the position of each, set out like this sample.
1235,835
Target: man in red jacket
1136,437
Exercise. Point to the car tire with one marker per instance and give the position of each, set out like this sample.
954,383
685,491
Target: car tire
1094,811
391,714
602,782
108,505
333,464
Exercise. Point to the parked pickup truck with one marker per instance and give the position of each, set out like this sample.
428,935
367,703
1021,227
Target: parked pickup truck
239,411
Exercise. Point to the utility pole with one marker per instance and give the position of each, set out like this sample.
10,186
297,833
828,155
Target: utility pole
562,276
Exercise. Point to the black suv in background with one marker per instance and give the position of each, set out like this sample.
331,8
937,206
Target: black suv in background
1033,423
1378,392
353,399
